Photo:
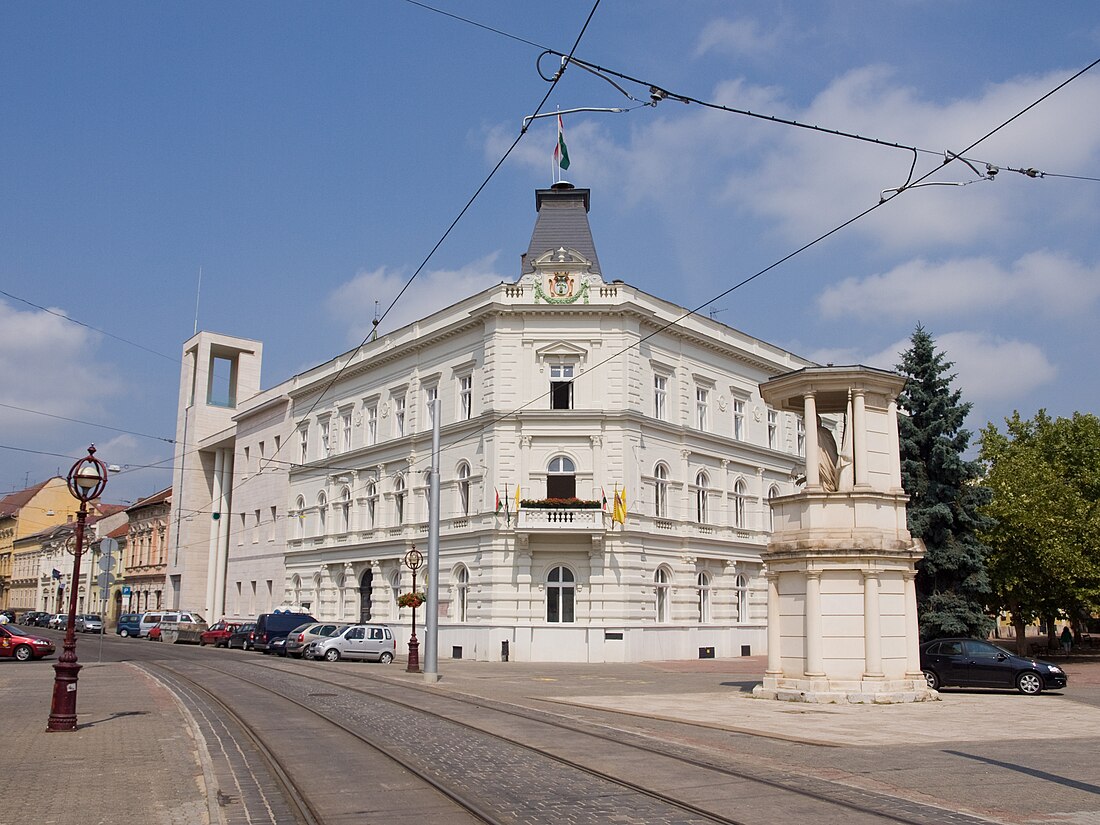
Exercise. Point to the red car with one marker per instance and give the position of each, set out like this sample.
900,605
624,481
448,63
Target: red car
218,634
154,633
23,646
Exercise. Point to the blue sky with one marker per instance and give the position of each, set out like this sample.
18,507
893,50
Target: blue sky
307,157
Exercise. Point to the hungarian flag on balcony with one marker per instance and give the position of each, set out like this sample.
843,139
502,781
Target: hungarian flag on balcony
499,504
603,499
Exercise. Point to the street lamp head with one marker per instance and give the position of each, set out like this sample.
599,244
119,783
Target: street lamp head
88,477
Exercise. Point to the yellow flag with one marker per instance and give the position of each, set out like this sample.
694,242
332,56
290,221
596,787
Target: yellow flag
618,512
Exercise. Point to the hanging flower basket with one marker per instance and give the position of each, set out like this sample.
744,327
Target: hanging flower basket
413,600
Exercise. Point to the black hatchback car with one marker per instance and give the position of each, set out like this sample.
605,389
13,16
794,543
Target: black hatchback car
975,663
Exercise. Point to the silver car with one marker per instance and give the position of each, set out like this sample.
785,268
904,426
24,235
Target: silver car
374,642
300,638
87,623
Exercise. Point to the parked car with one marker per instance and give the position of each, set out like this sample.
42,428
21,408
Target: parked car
374,642
153,633
301,637
43,619
28,619
59,621
271,627
23,646
242,637
129,624
976,663
218,633
88,623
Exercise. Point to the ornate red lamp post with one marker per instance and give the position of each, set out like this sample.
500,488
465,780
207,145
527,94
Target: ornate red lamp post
414,559
86,480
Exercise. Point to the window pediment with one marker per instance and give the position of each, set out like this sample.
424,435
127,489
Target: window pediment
561,351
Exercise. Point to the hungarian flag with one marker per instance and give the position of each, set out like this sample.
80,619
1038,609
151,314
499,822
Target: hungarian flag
603,499
500,503
561,152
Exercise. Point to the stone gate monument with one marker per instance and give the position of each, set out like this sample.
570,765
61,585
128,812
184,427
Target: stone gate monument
842,611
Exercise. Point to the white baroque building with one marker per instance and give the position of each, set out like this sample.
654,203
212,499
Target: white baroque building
560,384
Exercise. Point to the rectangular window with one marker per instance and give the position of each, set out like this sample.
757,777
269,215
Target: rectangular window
660,397
801,436
278,442
702,402
431,394
303,443
256,532
326,445
399,416
260,458
773,429
561,386
372,425
271,525
345,431
466,397
739,419
247,468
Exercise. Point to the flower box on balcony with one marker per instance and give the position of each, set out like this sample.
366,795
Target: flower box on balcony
559,504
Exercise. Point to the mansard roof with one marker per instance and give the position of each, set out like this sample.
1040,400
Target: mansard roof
562,222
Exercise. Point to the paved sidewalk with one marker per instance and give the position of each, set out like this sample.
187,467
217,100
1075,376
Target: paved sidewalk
132,758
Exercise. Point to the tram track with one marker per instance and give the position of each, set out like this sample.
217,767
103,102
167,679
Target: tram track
878,807
687,812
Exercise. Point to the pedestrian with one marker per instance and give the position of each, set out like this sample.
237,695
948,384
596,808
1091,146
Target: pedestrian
1067,639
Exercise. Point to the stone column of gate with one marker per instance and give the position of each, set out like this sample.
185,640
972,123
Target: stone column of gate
814,662
859,436
872,630
775,660
813,469
912,627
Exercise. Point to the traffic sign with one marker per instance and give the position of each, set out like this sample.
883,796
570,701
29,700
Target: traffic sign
126,590
104,580
108,546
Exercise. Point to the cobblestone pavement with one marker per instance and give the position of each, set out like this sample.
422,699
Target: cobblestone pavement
132,758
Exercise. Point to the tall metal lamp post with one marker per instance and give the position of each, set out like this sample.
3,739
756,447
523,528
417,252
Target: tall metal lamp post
86,481
414,559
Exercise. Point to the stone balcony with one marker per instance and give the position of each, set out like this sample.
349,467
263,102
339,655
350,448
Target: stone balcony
563,520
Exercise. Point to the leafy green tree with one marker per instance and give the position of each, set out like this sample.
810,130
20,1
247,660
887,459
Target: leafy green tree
1044,533
944,496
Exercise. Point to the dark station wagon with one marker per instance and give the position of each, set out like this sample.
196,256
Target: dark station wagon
976,663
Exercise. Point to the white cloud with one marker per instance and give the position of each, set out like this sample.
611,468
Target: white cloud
353,302
989,369
809,182
48,364
1045,282
736,38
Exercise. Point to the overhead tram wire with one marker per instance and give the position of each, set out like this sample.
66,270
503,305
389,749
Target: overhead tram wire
659,92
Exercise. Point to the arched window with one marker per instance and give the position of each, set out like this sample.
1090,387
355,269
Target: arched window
464,489
300,517
662,580
314,602
560,595
345,510
773,493
561,478
702,497
739,493
741,590
462,591
703,583
660,491
399,500
371,493
296,589
395,588
322,514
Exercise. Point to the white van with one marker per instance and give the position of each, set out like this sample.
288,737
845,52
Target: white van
156,617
